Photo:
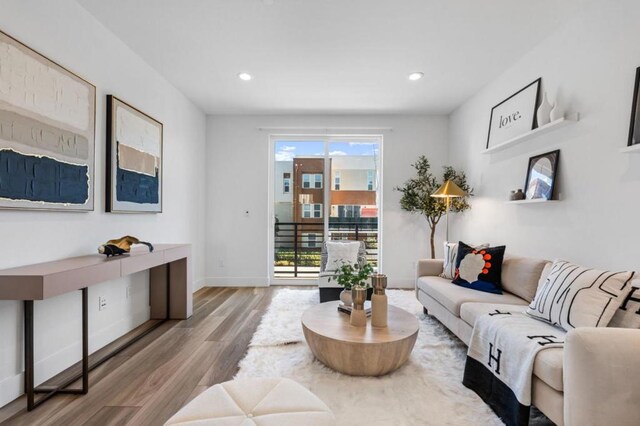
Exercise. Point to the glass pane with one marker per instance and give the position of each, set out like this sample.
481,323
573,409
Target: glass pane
299,227
355,164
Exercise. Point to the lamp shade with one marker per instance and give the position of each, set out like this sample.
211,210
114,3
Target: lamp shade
449,190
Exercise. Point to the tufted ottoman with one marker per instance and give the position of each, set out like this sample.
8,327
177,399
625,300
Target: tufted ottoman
262,402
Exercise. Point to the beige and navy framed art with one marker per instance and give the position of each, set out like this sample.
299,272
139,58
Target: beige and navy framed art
47,132
134,160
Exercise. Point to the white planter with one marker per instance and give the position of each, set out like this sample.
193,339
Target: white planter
345,297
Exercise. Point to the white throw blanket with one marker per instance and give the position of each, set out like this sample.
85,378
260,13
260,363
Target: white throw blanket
499,368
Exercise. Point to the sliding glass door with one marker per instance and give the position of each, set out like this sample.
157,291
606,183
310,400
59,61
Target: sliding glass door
322,188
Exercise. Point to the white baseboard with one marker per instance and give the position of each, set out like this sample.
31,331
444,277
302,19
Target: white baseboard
236,282
263,282
13,387
402,283
198,284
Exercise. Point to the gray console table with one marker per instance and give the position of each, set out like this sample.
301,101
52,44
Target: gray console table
170,297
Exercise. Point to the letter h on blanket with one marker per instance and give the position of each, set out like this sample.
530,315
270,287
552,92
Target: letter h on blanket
499,366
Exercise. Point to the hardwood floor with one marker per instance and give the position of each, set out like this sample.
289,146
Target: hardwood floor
149,381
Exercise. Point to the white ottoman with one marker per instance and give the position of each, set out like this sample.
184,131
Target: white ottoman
262,402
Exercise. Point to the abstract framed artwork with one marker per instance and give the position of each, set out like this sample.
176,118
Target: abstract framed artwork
541,176
515,115
134,160
634,127
47,133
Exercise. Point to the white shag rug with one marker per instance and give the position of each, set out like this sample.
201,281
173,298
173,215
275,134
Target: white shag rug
427,390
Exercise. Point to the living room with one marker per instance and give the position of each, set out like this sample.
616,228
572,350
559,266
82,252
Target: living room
246,147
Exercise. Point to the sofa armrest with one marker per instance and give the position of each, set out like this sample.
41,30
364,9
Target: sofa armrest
430,267
602,377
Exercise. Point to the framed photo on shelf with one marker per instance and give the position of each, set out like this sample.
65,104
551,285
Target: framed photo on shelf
134,160
541,176
515,115
634,127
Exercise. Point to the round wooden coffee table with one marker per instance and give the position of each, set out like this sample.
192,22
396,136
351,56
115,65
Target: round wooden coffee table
359,351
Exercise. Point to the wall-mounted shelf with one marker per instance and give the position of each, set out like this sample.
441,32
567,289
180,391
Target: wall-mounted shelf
570,118
534,201
633,149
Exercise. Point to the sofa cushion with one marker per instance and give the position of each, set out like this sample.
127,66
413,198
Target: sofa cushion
548,367
472,310
479,269
628,315
451,257
520,275
452,296
572,296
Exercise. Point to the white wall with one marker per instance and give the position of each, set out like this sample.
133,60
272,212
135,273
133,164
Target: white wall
589,65
238,163
67,34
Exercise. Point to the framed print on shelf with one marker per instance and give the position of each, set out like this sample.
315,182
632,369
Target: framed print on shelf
134,160
515,115
634,127
47,133
541,176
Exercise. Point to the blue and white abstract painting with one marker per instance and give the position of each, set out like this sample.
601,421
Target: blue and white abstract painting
47,132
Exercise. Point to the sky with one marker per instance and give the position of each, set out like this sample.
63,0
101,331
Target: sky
287,150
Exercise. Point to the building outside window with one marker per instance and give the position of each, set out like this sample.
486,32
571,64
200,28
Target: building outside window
349,211
311,181
286,183
311,240
370,179
312,211
336,181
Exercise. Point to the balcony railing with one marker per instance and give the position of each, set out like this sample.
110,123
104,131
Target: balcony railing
298,245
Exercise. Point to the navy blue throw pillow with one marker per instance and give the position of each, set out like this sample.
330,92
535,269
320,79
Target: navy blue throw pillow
479,269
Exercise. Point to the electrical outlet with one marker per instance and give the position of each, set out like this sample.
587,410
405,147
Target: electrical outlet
102,303
220,263
128,292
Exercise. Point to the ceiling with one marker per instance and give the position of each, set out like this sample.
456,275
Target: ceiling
330,56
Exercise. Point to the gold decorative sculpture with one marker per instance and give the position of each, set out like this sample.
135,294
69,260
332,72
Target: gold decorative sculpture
121,246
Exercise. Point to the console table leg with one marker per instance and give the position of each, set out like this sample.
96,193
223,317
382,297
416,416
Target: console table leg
168,301
85,341
28,354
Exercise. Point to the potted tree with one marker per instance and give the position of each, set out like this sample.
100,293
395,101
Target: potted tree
417,191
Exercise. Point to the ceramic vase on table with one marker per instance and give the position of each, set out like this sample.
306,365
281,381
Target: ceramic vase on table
379,303
345,297
544,111
358,315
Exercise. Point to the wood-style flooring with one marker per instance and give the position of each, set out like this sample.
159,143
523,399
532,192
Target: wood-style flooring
152,379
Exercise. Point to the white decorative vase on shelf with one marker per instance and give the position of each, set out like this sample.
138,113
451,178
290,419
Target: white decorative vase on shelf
557,112
543,114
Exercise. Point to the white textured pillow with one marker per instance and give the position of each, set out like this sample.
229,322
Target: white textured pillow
450,257
572,296
628,315
339,252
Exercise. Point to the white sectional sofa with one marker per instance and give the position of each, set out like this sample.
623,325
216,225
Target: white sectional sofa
593,380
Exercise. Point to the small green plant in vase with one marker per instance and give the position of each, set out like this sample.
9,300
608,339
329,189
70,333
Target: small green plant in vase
351,276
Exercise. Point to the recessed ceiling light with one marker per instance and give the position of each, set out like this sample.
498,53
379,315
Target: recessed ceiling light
245,76
416,76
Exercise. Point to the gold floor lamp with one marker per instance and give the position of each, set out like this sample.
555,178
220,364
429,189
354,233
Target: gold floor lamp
449,190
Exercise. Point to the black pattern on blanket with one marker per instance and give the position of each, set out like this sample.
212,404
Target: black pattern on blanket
499,366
